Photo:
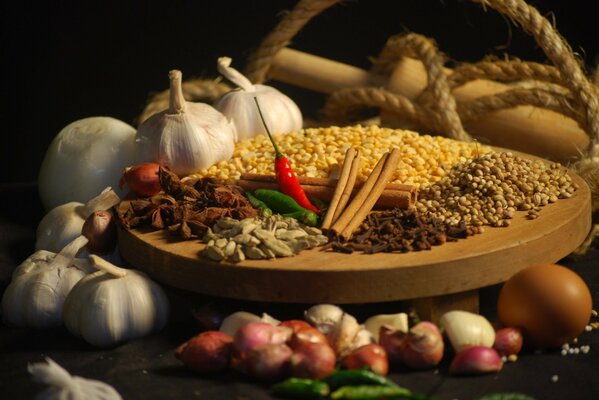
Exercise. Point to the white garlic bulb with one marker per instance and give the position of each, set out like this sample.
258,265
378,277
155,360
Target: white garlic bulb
281,114
397,321
66,386
35,296
114,305
187,136
84,158
62,224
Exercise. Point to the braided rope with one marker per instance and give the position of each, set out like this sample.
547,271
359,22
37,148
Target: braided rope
259,63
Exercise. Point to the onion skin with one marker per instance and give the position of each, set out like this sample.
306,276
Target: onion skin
371,355
508,341
423,347
268,362
100,230
313,361
258,333
296,324
476,360
207,353
142,179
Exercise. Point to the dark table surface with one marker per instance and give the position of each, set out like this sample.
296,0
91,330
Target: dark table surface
147,369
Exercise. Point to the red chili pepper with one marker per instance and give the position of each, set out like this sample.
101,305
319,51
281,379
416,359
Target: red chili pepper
288,182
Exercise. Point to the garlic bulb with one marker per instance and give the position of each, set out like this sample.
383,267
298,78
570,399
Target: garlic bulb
466,329
63,223
84,158
114,305
65,386
35,296
324,316
187,136
281,114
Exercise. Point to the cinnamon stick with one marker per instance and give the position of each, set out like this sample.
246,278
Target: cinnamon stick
344,187
353,207
394,195
389,167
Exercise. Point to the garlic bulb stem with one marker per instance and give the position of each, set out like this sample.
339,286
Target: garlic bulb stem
224,68
65,257
105,200
177,100
107,267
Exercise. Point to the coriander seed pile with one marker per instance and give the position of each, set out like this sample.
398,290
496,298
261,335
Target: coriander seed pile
488,189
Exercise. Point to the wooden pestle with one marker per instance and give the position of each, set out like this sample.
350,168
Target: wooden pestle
528,129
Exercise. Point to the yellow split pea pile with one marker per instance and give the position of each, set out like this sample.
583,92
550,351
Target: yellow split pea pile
458,181
318,152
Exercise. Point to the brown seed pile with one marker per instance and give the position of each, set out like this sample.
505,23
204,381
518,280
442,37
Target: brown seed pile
401,230
490,188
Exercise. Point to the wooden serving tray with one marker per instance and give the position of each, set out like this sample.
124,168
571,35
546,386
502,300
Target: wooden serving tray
446,277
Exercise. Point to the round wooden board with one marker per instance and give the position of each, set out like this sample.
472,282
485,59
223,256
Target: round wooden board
315,276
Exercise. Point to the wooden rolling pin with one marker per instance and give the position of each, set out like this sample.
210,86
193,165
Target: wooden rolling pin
525,128
394,195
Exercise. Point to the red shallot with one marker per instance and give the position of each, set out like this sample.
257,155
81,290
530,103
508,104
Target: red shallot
100,230
142,179
476,360
371,355
208,352
258,333
508,341
268,362
313,361
423,347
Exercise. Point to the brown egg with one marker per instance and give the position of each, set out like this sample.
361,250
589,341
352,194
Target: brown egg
551,303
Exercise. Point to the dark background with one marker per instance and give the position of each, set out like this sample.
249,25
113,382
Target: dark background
66,60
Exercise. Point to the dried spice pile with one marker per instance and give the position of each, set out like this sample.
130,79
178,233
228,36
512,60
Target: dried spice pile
489,189
401,230
186,208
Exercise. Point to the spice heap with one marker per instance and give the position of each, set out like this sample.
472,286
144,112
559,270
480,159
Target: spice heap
188,209
254,238
489,189
318,152
401,230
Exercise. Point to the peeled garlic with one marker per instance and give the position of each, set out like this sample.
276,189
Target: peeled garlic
64,223
35,296
466,329
324,316
187,136
84,158
114,305
281,114
396,321
66,386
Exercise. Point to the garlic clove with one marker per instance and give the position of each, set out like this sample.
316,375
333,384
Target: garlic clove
466,329
397,321
324,316
343,334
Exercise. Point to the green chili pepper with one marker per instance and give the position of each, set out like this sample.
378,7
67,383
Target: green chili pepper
300,388
370,392
277,201
362,376
306,217
265,212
